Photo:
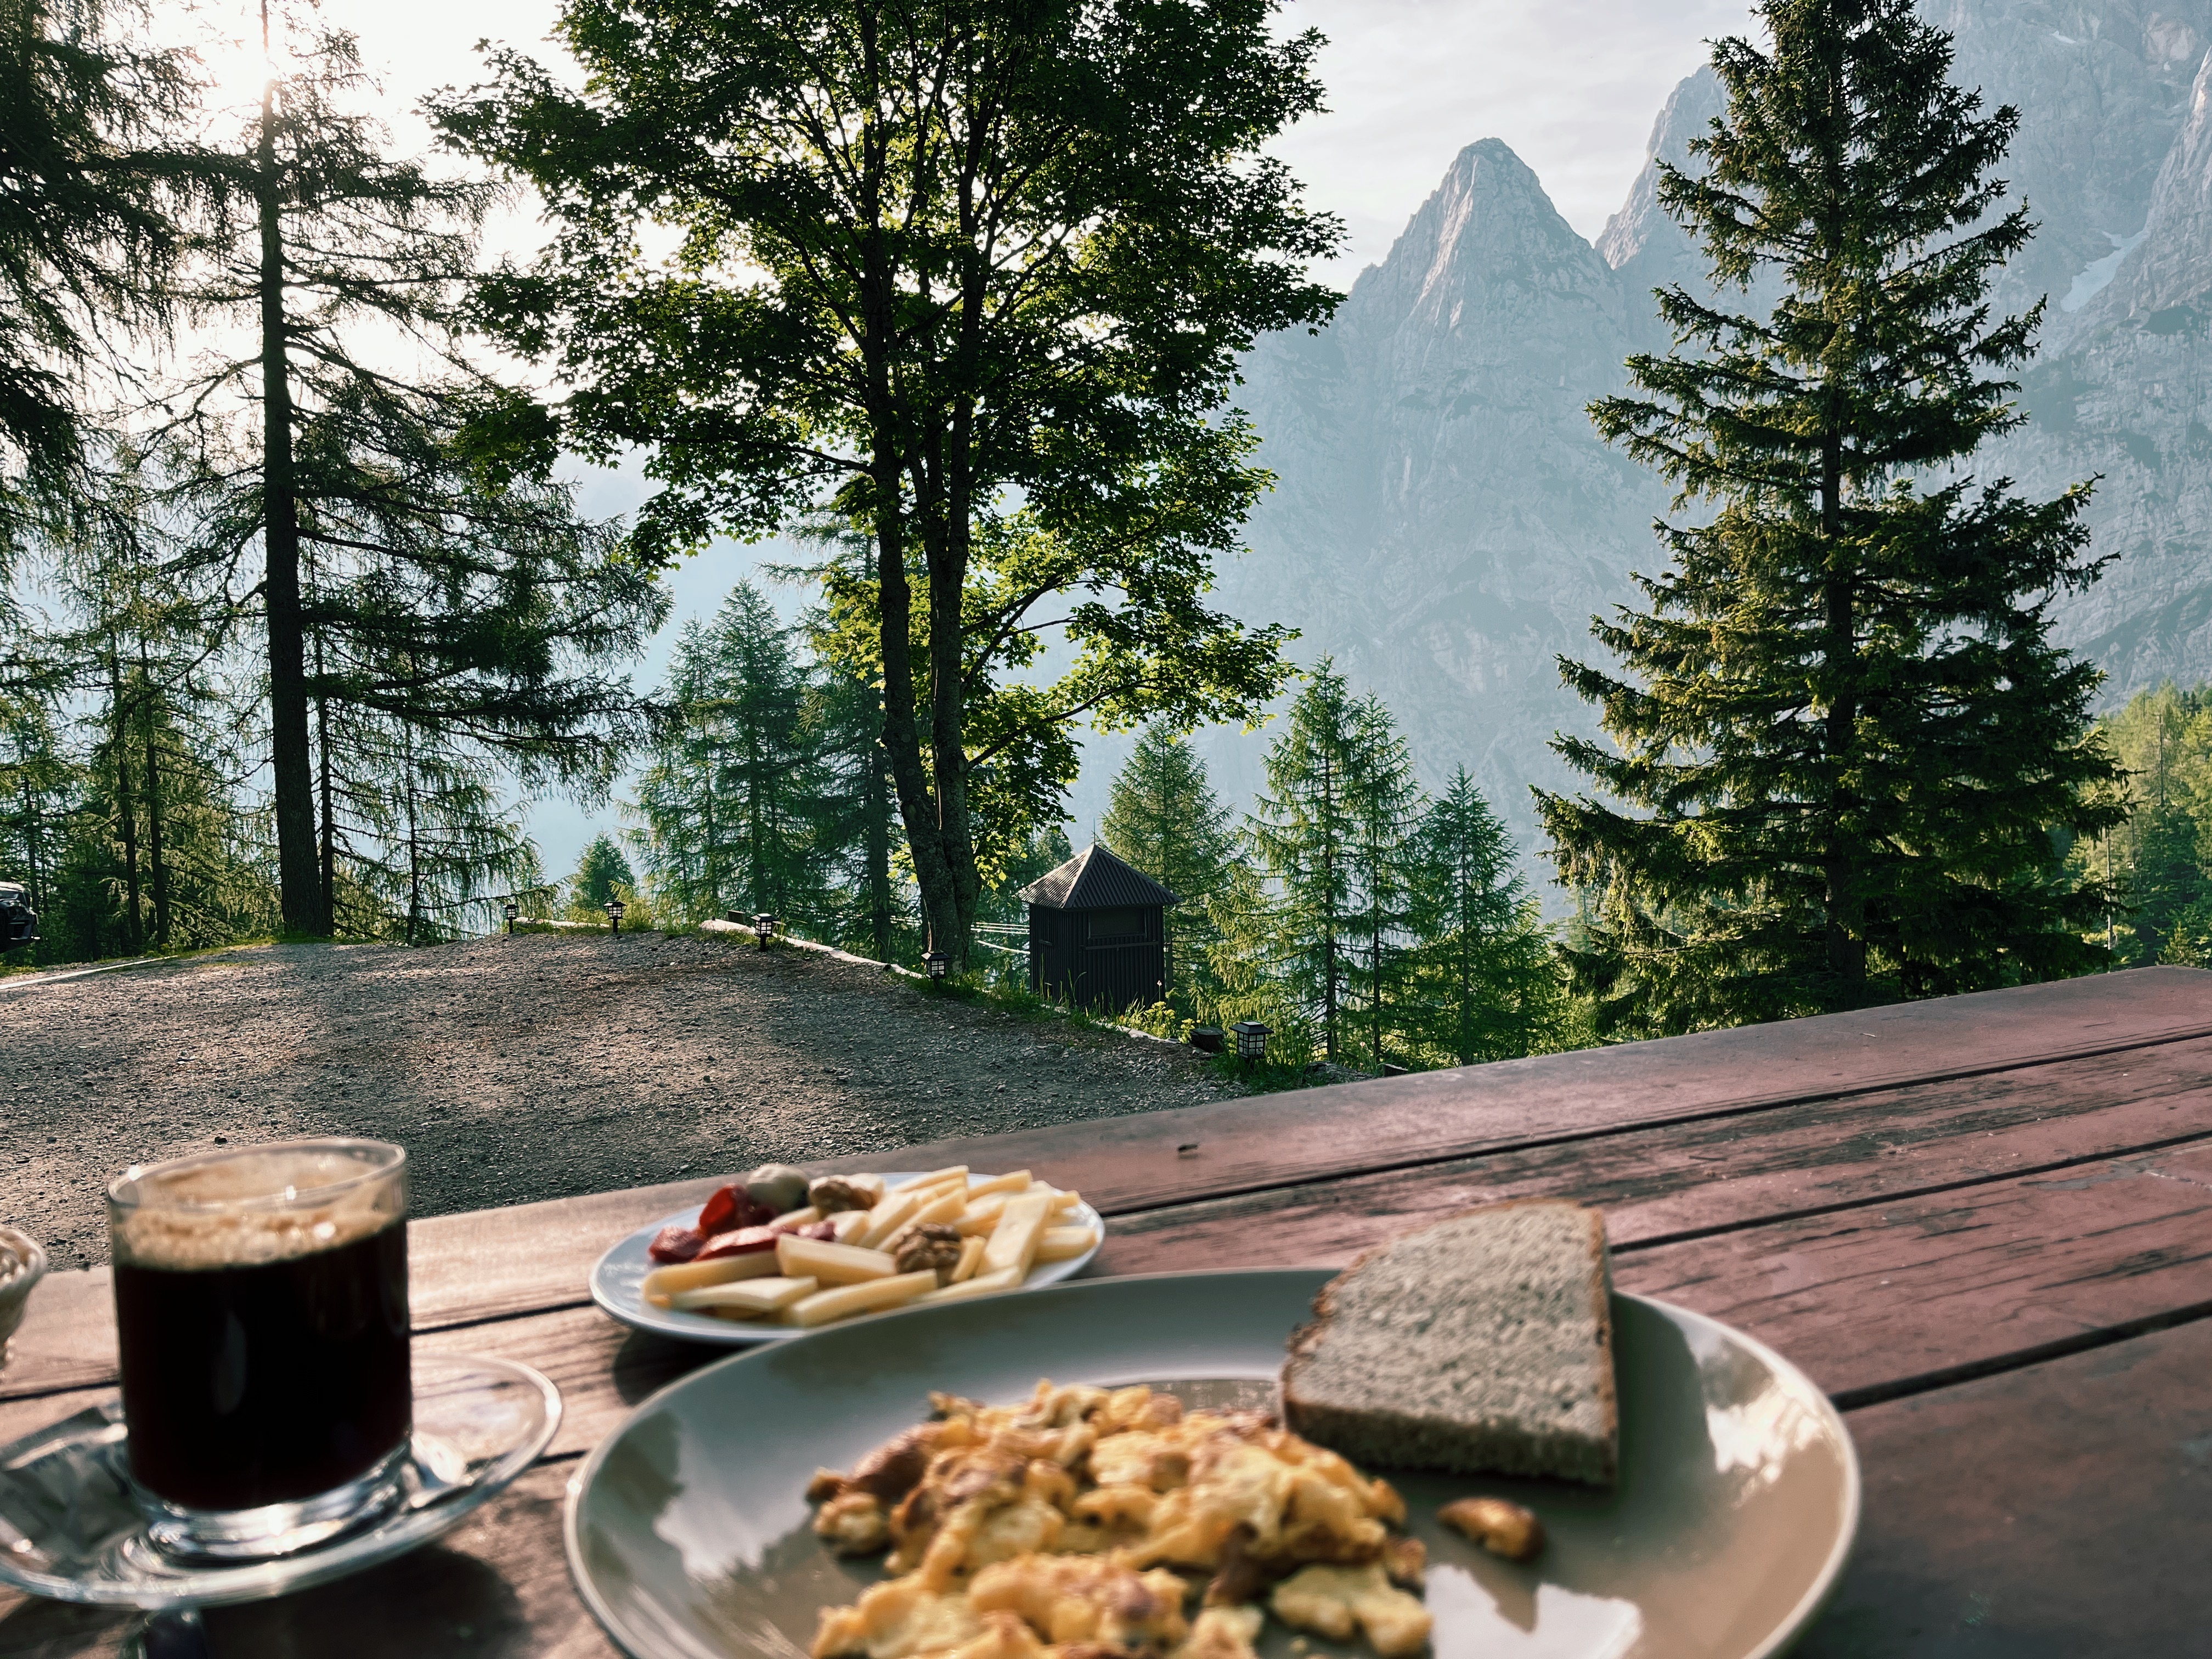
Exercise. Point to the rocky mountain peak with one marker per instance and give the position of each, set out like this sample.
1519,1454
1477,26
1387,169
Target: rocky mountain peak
1489,226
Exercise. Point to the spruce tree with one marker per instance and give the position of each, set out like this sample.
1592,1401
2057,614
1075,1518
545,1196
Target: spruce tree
1164,818
1844,742
1486,984
727,798
1331,831
1385,805
602,874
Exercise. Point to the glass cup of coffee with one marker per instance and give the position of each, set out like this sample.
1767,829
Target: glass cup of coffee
261,1307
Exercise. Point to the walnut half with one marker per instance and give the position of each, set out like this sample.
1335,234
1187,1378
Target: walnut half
933,1245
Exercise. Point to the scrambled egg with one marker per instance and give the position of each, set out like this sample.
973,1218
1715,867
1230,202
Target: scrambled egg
1061,1529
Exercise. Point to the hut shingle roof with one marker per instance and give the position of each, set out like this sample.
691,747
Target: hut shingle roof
1094,879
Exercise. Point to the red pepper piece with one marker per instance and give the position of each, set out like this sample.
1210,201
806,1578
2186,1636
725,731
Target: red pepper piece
742,1241
676,1244
721,1212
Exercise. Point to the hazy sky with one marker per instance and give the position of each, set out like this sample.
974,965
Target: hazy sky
1572,85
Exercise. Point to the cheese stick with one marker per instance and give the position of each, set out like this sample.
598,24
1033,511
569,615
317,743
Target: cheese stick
971,1257
888,1217
833,1264
845,1300
748,1297
663,1283
1005,1279
1013,1242
1065,1243
1016,1182
931,1180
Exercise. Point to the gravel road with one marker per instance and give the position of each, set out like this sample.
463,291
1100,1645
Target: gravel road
523,1068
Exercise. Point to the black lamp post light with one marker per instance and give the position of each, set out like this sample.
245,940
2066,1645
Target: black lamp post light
1251,1040
764,927
937,964
512,911
615,914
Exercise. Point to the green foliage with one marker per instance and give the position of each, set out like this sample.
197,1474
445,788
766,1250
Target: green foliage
1333,830
726,795
602,874
971,282
1163,817
1486,985
2158,860
87,192
1843,739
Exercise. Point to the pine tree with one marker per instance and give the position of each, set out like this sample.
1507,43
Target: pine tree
1163,816
1302,832
854,817
1385,804
89,183
425,588
1845,742
601,874
1486,986
1331,831
726,800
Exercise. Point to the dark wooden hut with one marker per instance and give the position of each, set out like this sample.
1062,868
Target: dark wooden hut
1098,932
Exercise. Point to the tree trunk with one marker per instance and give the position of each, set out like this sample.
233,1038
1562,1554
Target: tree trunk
157,866
126,815
877,799
300,884
327,840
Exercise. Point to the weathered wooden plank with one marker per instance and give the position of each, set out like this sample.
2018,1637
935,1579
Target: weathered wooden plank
1882,1297
1728,1172
528,1257
1235,1146
497,1585
2058,1511
1653,1183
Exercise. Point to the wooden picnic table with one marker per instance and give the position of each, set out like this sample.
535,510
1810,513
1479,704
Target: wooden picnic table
1982,1224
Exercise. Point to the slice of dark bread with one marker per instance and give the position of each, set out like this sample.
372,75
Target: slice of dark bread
1482,1343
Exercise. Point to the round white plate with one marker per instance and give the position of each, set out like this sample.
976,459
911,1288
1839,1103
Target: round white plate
618,1276
688,1527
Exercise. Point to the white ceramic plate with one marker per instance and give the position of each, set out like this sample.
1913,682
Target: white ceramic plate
618,1276
1739,1493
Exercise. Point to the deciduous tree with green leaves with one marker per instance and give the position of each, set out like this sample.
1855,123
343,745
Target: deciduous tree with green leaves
1844,740
971,278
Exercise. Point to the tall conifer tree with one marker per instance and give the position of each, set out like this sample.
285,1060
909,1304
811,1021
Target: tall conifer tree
1845,742
1164,818
1485,985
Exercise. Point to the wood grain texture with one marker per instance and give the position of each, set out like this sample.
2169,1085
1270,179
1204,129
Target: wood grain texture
1719,1173
2057,1511
1236,1145
1893,1198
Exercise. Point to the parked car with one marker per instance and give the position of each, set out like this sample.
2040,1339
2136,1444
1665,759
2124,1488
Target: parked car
19,922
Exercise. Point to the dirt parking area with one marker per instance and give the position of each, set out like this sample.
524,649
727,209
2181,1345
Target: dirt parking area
536,1067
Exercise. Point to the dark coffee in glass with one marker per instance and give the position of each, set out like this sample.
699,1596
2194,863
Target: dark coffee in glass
261,1309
